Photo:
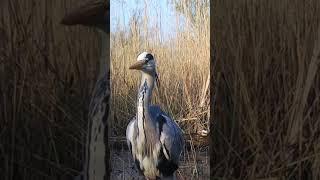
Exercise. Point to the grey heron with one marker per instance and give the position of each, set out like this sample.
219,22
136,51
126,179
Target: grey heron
154,139
96,166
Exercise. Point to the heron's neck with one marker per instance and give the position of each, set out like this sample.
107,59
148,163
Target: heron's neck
146,127
145,90
104,37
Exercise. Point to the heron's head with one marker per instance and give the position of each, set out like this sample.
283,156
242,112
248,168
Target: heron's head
145,62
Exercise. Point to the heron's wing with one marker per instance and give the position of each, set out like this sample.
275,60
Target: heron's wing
171,137
131,133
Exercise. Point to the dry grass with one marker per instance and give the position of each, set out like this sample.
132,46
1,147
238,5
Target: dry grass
267,105
47,72
183,66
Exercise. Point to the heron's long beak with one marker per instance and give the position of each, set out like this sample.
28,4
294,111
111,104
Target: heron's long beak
138,65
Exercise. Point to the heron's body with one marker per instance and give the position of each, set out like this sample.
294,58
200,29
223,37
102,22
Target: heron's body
154,139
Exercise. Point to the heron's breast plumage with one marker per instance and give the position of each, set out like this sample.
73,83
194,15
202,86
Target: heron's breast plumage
147,163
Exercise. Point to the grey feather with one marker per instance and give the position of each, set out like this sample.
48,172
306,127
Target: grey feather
171,138
154,139
171,135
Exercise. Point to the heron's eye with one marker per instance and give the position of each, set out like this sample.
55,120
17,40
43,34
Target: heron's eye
149,57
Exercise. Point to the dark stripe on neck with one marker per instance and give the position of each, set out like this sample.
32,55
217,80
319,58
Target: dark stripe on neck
143,117
144,91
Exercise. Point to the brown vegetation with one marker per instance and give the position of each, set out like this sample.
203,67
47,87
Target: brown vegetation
266,119
47,72
183,65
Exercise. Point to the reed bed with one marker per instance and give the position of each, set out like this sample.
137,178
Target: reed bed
47,74
182,59
182,63
266,115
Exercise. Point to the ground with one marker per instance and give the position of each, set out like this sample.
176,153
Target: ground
194,165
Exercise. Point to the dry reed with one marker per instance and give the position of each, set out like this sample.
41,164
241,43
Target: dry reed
183,67
47,72
266,119
182,60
